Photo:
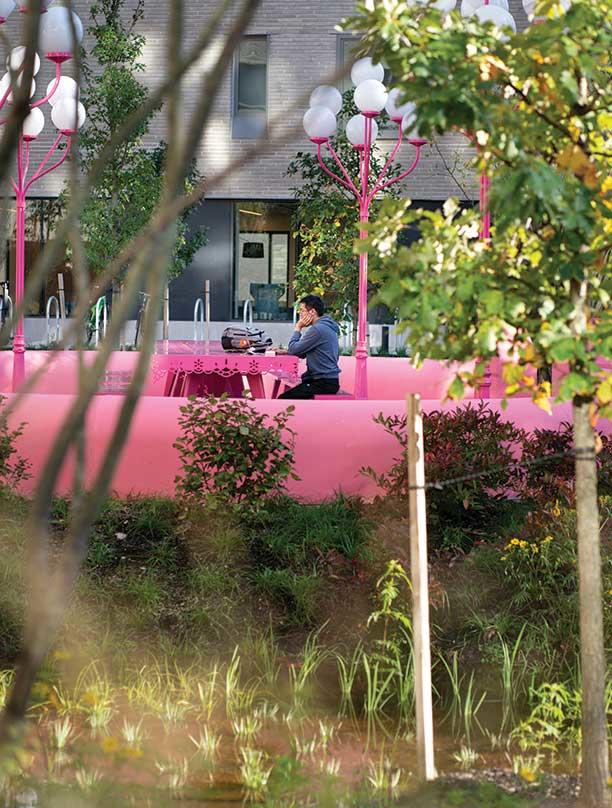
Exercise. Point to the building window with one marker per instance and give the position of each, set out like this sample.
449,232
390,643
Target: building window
250,88
264,259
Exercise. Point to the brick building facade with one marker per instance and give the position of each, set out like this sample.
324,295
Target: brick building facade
289,48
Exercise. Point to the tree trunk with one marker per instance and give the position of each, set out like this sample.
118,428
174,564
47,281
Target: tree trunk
594,731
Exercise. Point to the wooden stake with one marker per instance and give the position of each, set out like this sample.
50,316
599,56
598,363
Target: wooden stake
166,328
420,590
207,308
62,296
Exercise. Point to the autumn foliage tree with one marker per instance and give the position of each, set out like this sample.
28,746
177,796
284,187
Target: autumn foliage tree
537,104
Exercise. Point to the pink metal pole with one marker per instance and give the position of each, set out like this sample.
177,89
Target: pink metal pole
21,188
364,195
484,391
485,227
361,349
19,339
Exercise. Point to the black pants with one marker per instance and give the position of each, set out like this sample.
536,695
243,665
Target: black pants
312,388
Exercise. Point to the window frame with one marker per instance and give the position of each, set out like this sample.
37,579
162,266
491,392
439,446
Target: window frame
249,125
292,252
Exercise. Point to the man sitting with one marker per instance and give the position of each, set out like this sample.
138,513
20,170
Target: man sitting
320,347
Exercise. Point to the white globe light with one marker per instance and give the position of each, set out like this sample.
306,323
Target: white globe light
326,96
445,5
468,7
16,58
409,123
56,32
370,96
365,69
5,84
498,16
394,108
33,124
6,6
319,122
66,88
66,112
23,5
356,130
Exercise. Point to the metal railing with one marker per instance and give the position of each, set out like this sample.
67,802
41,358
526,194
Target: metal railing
100,308
247,313
198,309
347,328
53,300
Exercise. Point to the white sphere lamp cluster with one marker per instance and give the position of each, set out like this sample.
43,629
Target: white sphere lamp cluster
371,98
493,11
58,37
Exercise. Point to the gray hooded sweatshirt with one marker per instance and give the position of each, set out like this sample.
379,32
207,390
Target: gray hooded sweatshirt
320,347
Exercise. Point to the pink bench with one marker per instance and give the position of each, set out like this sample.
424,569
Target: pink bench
341,395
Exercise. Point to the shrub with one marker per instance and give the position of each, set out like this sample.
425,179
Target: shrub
555,479
232,454
13,468
459,443
539,573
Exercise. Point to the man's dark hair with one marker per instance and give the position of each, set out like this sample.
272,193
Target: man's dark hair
314,302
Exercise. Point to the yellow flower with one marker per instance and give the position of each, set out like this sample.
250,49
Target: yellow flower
535,548
547,540
90,698
527,774
504,558
515,541
131,752
109,745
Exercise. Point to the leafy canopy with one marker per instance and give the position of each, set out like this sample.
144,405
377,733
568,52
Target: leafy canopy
537,103
123,200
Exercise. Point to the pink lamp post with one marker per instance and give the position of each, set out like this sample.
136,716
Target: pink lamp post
320,123
67,114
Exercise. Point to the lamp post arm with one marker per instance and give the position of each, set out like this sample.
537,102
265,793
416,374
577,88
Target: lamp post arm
350,182
52,91
404,174
383,173
365,166
20,174
330,173
26,164
40,173
5,97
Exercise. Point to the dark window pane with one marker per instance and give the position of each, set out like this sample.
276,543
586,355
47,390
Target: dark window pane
264,259
251,92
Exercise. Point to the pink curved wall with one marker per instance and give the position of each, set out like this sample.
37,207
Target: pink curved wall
335,439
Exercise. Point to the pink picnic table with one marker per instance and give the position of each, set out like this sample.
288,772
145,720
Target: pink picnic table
204,368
